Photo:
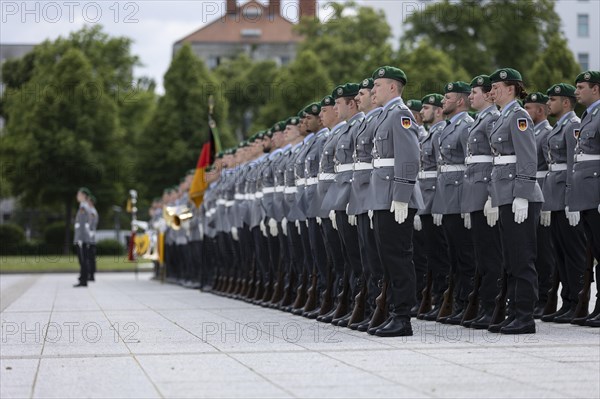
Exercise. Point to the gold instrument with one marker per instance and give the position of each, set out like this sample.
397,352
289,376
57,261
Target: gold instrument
177,216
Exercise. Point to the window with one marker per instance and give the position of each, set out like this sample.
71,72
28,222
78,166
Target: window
584,61
583,25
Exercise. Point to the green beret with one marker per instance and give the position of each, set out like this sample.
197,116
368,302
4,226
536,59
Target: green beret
506,75
191,171
269,132
233,150
481,81
156,199
219,155
588,76
561,89
292,120
367,83
414,105
536,98
85,190
458,87
261,135
327,101
346,90
279,126
313,109
210,168
300,114
93,198
390,72
433,99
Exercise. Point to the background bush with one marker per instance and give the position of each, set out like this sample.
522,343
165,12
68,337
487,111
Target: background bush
110,247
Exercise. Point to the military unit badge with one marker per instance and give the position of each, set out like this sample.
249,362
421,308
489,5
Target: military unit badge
381,72
587,76
431,100
557,89
365,82
480,80
406,122
315,109
340,91
503,74
450,86
522,124
534,97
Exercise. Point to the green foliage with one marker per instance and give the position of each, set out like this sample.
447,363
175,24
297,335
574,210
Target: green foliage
555,65
109,247
11,237
54,237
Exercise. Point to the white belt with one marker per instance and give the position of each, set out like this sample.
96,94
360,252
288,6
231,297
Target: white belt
311,181
587,157
343,168
383,162
300,182
557,167
279,189
505,159
259,195
229,203
290,190
452,168
326,176
250,196
363,166
239,197
432,174
479,159
221,202
268,190
540,174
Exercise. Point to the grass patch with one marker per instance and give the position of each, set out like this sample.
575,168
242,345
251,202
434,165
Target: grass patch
61,263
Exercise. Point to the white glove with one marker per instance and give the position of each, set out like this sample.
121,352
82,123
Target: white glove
352,220
417,224
332,218
370,214
297,223
263,228
234,233
573,217
467,219
437,218
79,243
598,208
520,208
273,227
284,226
545,218
201,230
400,211
319,220
491,213
306,221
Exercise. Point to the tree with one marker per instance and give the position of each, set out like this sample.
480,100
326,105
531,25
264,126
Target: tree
555,65
172,141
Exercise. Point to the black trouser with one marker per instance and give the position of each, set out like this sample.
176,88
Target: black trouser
227,254
83,255
591,224
210,261
488,250
460,242
438,255
372,267
274,256
261,254
395,249
245,248
309,261
185,260
420,261
318,252
519,243
92,259
349,237
546,262
333,247
171,260
196,250
296,250
284,249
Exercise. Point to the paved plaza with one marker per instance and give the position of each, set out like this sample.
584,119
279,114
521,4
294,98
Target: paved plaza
128,337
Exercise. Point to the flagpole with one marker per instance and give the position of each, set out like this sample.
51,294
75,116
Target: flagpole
212,124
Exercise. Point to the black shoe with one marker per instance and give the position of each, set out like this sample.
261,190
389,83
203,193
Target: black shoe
495,328
550,317
372,330
482,323
354,326
346,317
580,321
91,279
414,311
345,321
538,312
79,285
519,327
593,321
298,312
432,315
363,326
467,323
313,314
455,319
565,317
327,318
396,327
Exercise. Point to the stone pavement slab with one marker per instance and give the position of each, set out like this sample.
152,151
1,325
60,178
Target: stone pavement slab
128,337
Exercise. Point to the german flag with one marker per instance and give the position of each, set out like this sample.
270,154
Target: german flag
206,158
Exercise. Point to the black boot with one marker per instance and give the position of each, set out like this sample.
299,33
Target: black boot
398,325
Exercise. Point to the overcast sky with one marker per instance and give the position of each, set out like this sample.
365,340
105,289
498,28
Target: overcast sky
153,25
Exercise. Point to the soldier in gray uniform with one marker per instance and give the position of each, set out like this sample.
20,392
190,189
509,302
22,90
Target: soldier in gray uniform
415,107
535,105
475,193
93,227
81,236
583,195
569,241
395,197
436,243
517,194
446,207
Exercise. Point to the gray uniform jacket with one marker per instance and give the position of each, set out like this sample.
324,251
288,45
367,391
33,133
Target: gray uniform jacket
293,212
180,235
311,172
513,135
254,207
559,143
279,204
363,148
541,131
327,169
93,224
396,137
429,156
299,160
267,180
82,223
225,197
209,205
338,194
584,192
475,189
452,147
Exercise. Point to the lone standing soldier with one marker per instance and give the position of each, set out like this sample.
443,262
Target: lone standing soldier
82,237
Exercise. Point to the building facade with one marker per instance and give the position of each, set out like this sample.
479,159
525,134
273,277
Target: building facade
580,22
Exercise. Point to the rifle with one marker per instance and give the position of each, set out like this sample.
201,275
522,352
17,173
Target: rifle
312,294
279,284
426,301
381,311
584,295
552,302
473,305
343,298
301,291
447,307
360,302
327,302
500,310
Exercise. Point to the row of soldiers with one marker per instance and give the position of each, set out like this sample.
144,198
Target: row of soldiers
352,213
84,238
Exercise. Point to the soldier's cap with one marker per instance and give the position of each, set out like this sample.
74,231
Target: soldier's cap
414,105
367,83
536,98
181,179
390,72
588,76
219,155
457,87
168,190
292,120
279,126
232,151
346,90
261,134
313,109
269,132
85,190
92,198
301,114
433,99
191,171
506,75
481,81
210,168
327,101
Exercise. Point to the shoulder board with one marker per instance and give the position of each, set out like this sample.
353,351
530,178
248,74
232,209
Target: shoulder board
353,122
548,127
595,111
565,122
369,118
393,106
402,106
459,122
575,119
516,107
